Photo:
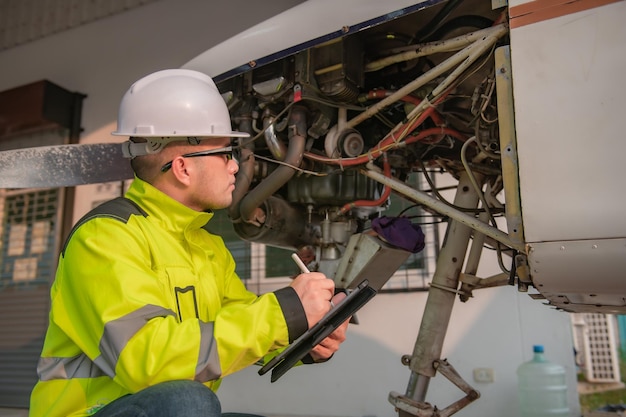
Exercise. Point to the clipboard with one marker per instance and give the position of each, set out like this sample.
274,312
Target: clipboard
297,350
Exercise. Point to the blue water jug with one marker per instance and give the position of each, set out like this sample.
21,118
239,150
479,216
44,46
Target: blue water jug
542,387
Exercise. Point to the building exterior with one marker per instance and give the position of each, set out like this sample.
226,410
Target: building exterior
97,57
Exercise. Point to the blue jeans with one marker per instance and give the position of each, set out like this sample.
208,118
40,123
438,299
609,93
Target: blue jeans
169,399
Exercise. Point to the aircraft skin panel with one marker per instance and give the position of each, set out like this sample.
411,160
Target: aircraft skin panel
568,120
267,40
581,275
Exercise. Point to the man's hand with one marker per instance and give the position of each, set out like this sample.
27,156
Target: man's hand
330,345
315,292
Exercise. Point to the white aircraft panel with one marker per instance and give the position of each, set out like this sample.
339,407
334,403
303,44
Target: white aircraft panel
569,96
268,37
580,275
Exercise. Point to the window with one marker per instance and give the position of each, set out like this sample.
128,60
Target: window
28,237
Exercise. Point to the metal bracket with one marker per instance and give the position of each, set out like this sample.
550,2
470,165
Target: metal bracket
423,409
406,405
444,288
522,270
472,282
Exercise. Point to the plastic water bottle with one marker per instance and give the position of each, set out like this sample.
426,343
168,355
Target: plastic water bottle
542,387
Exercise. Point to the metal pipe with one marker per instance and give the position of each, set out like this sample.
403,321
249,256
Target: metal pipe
243,179
440,207
283,173
244,176
275,145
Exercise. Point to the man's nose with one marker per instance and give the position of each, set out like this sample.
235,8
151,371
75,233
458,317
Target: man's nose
233,166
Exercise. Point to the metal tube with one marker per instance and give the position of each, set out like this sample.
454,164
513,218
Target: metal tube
471,54
462,58
244,176
279,177
275,145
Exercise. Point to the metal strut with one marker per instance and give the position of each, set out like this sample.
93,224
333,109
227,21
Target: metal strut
425,360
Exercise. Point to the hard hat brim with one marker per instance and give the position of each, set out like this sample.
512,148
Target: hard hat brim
182,135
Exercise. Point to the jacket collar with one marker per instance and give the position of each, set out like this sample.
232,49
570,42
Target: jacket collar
160,207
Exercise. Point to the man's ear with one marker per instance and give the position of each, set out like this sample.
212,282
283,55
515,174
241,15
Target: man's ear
182,169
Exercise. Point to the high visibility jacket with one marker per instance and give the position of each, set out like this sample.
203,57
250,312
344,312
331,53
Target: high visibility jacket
144,294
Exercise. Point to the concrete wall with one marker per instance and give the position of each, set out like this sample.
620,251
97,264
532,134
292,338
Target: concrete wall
494,330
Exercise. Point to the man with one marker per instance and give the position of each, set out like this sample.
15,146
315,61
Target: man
147,311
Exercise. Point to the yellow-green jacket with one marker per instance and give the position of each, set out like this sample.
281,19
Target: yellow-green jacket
144,294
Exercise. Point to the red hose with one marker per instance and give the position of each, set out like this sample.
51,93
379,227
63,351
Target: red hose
372,203
378,150
376,94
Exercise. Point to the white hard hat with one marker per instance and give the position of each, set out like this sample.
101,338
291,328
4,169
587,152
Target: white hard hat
174,103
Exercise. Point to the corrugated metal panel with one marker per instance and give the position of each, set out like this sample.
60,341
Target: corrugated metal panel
23,21
29,237
23,326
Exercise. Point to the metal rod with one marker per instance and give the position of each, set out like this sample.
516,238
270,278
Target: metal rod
440,207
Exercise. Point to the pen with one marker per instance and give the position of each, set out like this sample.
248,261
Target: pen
300,264
304,269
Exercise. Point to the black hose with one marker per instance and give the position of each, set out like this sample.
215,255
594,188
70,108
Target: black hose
426,31
472,21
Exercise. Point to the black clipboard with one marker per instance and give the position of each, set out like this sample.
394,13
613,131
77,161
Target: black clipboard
297,350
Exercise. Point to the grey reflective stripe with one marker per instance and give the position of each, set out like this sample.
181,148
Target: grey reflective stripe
107,369
116,335
208,368
66,368
118,332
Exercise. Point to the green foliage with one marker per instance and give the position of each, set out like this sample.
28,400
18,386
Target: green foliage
597,400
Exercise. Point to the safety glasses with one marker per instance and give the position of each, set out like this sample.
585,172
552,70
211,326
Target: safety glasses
230,152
